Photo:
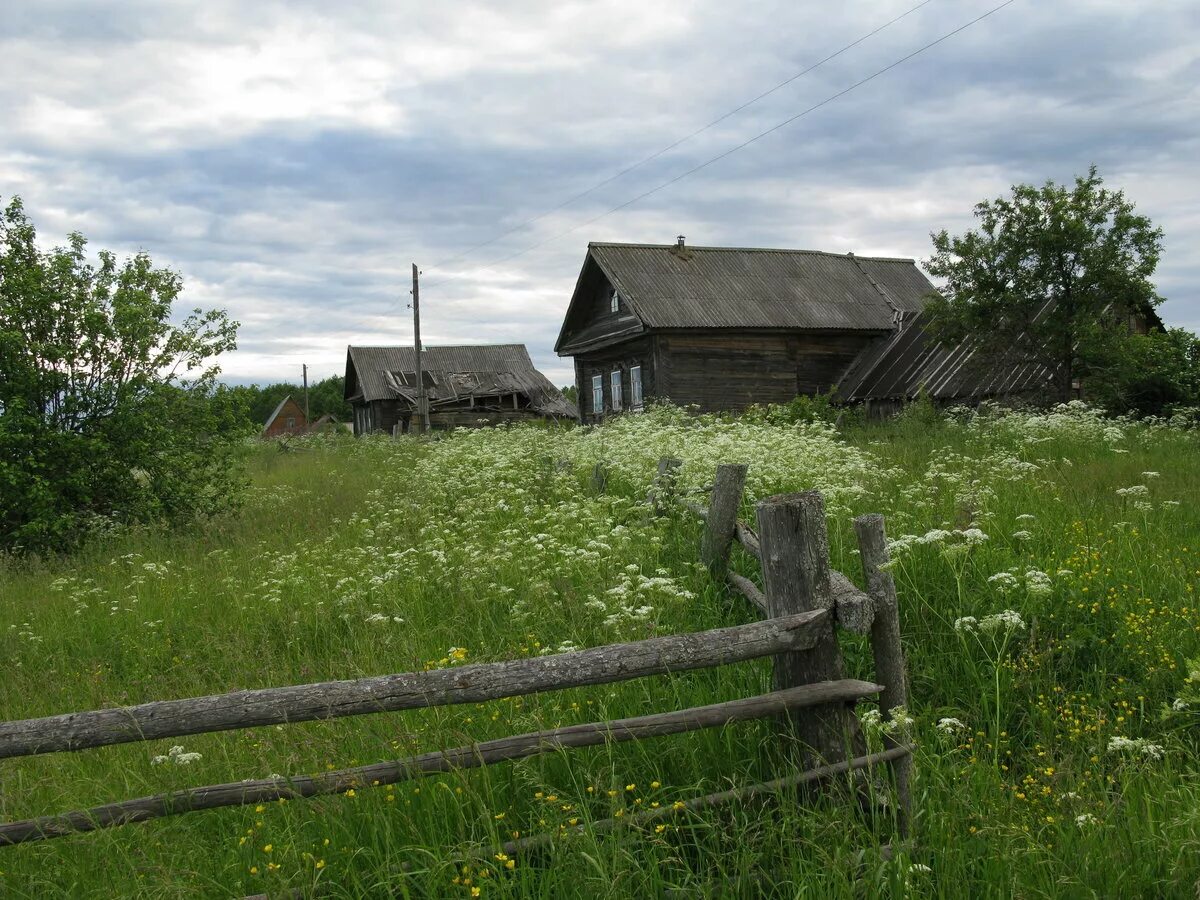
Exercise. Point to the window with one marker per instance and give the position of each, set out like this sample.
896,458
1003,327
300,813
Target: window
635,387
597,394
614,301
615,385
291,422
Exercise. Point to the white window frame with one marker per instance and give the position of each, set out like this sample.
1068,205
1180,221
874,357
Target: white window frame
636,400
598,394
614,301
615,386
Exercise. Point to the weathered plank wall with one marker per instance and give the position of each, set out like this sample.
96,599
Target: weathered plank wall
729,370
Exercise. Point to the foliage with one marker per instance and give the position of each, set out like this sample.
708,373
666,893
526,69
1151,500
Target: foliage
805,408
571,392
324,396
109,412
1051,276
1056,727
1153,374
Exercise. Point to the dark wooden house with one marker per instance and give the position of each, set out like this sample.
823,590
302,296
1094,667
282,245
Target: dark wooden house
287,419
469,385
722,328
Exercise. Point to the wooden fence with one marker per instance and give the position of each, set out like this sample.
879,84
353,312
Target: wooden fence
802,600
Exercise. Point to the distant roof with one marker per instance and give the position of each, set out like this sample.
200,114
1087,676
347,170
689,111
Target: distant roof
278,409
387,373
902,364
738,287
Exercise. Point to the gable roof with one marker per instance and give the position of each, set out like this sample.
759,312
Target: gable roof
278,409
738,287
387,373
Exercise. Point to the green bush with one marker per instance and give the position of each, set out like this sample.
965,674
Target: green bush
109,413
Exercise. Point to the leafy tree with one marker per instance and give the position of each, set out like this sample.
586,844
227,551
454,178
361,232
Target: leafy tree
324,396
1051,276
109,412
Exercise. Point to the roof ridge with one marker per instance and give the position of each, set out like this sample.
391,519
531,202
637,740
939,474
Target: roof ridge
637,246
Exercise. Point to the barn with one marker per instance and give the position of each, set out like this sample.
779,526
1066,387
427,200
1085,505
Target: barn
287,419
721,328
467,385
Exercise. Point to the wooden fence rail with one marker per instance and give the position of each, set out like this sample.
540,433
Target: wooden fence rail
388,693
803,599
243,793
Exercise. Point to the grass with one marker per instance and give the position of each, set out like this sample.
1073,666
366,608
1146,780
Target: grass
486,549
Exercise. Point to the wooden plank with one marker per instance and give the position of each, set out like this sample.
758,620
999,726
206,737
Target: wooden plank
241,793
413,690
721,520
885,642
720,798
748,589
795,564
854,610
748,539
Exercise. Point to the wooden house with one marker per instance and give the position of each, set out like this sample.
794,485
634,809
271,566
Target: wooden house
469,385
721,328
287,419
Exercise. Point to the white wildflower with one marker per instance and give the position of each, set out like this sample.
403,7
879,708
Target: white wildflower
949,725
1022,535
1085,819
1179,704
1137,490
966,625
1006,620
1151,751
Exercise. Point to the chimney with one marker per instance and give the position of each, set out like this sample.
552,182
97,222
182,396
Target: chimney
679,244
680,249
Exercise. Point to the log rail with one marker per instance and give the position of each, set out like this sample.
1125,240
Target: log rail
803,600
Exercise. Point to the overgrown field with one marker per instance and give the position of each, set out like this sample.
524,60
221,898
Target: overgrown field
1058,751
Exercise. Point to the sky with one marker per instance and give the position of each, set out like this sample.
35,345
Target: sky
292,160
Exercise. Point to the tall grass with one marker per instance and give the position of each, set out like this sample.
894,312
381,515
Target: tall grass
357,558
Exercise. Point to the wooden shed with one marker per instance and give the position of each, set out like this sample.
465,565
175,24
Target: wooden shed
467,385
287,419
722,328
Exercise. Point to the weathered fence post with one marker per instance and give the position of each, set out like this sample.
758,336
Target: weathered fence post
722,517
664,484
795,565
885,645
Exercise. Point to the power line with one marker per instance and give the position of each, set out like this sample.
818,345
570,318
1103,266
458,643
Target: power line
704,165
683,140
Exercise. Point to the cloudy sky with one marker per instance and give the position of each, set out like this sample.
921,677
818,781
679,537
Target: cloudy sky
292,160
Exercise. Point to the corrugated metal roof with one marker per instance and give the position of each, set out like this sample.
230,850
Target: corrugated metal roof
901,364
386,373
729,287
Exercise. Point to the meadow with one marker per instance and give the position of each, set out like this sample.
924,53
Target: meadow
1046,565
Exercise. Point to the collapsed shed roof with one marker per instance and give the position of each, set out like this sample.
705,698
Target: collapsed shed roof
451,374
903,364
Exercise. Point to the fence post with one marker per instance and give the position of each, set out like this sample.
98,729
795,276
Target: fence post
599,478
795,567
664,484
885,645
722,517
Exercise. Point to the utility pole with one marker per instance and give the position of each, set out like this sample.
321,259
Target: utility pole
304,367
421,419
